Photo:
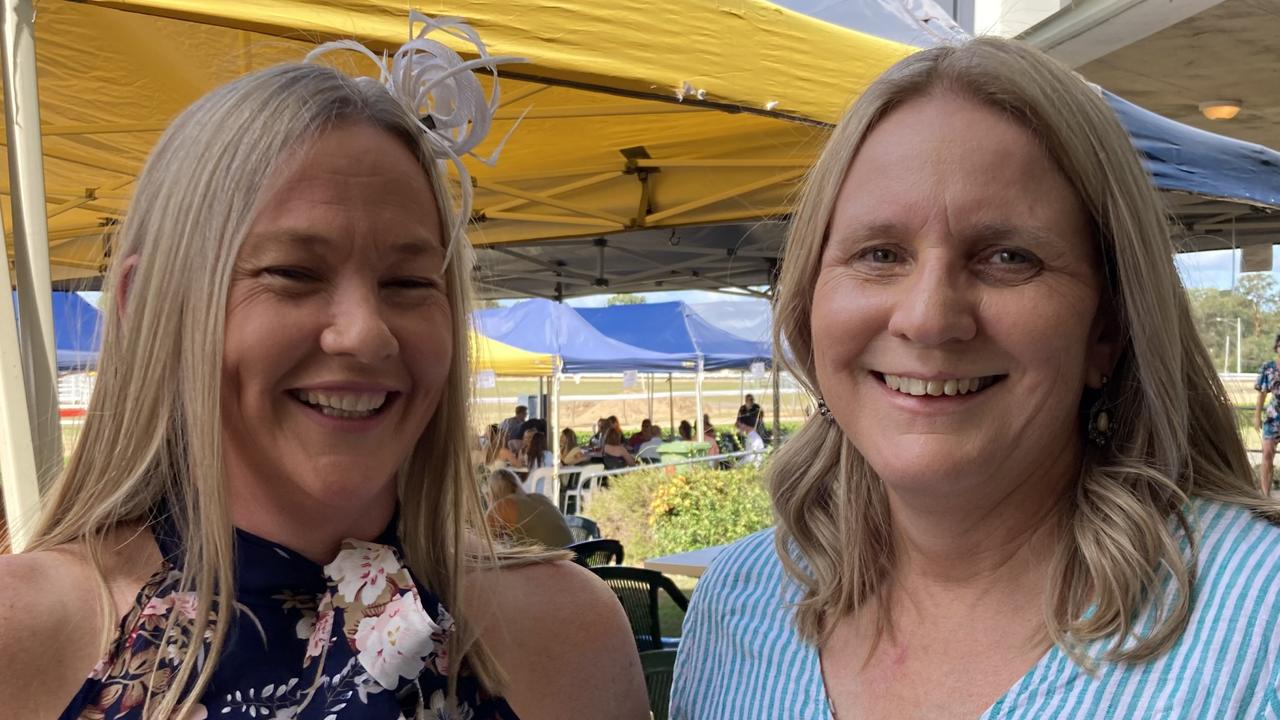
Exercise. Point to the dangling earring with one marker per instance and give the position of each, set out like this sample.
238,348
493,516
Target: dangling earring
823,410
1099,426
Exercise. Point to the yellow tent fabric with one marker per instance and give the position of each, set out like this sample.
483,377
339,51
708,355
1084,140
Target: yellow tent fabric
639,115
503,359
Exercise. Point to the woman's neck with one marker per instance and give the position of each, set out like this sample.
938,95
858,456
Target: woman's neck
983,542
309,527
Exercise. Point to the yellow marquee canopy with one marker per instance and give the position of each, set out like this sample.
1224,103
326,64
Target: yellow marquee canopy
639,115
503,359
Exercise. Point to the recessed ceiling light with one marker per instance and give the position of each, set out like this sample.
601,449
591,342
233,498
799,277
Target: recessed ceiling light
1220,109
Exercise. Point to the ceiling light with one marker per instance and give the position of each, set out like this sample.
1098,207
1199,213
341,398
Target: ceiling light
1220,109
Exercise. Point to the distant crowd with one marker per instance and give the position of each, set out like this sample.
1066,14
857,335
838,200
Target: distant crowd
520,442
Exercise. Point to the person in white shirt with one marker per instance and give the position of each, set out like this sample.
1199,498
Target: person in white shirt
753,444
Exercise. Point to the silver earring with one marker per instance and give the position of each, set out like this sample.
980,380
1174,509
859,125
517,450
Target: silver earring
1099,426
823,410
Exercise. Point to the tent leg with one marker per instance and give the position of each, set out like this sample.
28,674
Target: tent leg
17,453
31,235
671,398
650,397
777,405
553,439
698,402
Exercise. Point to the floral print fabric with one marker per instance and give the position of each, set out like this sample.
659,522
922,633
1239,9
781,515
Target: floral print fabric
356,639
1269,381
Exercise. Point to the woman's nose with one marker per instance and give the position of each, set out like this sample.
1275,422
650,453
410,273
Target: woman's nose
935,305
358,328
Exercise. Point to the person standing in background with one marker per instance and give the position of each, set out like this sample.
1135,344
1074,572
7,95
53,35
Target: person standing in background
1266,415
513,427
750,411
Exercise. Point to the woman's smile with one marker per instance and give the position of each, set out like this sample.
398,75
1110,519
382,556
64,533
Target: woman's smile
936,386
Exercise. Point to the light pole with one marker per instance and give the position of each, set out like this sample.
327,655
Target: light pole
1226,349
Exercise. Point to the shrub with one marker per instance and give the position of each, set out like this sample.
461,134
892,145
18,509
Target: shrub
670,510
622,512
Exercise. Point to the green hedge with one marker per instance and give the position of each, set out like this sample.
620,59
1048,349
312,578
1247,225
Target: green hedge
669,510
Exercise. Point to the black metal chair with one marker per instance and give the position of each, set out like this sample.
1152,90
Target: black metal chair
659,668
637,590
593,553
582,528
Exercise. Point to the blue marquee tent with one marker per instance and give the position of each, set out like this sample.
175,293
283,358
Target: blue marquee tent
544,326
1180,157
676,329
77,331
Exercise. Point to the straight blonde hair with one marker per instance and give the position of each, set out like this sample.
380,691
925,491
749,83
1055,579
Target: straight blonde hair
1174,435
152,434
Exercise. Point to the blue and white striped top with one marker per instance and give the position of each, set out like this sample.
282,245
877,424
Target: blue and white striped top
741,658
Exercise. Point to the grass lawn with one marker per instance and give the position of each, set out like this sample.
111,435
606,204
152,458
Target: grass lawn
670,617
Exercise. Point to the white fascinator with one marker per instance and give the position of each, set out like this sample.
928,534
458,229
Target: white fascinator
442,91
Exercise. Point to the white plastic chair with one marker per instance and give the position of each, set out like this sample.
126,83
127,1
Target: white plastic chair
541,481
580,493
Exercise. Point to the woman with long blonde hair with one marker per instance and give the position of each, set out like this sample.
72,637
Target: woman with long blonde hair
1024,494
271,511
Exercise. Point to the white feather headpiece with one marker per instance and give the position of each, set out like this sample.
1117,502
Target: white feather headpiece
441,90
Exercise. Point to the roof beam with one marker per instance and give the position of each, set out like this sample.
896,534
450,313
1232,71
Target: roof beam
558,190
723,195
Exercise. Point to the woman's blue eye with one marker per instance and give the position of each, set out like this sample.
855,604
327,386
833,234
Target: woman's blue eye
289,273
1010,257
411,284
883,255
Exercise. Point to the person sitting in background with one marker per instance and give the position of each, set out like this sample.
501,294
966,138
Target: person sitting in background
614,454
648,449
523,518
537,424
570,453
497,452
686,430
709,435
535,455
638,438
597,440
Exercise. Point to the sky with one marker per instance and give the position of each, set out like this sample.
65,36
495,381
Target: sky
1215,268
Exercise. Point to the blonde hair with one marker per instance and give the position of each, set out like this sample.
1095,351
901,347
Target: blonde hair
1174,431
503,482
152,434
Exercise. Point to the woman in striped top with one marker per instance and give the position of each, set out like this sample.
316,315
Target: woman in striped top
1024,495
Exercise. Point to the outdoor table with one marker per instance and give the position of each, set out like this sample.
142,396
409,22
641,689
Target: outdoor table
692,563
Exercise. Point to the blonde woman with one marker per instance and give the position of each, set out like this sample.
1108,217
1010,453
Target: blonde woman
1025,495
524,518
270,513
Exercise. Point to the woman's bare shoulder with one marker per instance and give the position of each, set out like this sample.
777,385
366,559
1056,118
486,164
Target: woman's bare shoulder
50,620
551,624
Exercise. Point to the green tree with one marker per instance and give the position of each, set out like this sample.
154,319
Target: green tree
625,299
1261,292
1255,302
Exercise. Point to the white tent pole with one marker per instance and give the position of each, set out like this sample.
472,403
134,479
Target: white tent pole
671,400
31,234
17,453
777,405
697,433
553,425
651,397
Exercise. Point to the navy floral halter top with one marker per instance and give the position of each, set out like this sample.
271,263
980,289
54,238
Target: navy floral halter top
357,639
